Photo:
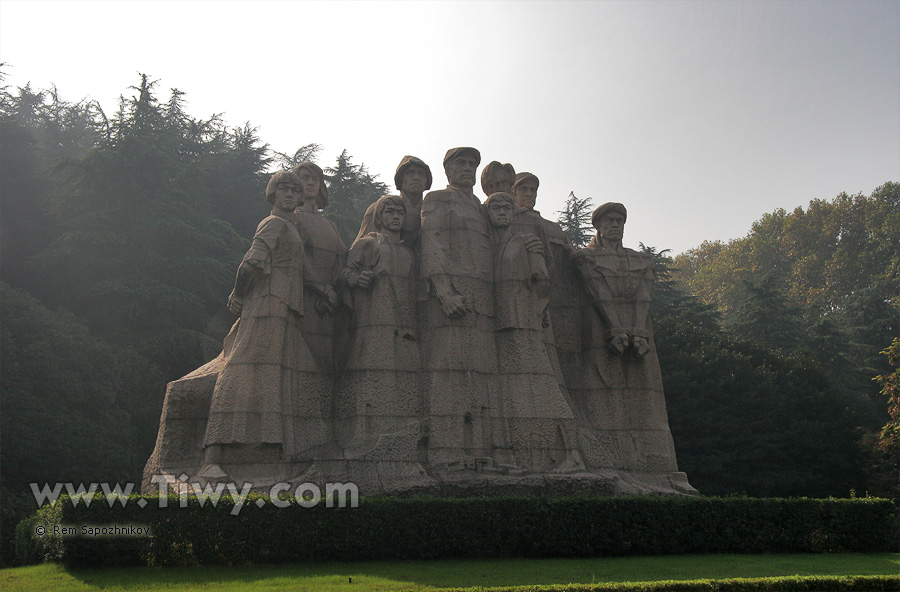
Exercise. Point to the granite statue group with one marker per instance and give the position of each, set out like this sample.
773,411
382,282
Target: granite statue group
456,348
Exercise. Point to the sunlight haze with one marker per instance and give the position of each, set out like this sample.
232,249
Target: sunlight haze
699,116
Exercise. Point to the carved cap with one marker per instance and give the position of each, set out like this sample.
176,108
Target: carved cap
454,152
610,206
407,162
522,177
322,198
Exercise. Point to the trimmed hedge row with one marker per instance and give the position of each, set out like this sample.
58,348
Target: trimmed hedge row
431,528
781,584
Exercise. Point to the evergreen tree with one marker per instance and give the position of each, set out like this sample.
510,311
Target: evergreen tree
143,257
307,153
575,220
352,189
764,315
37,129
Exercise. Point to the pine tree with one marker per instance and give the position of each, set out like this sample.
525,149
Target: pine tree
575,220
352,189
143,256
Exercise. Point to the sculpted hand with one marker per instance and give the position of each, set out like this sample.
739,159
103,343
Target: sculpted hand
618,343
454,305
534,244
325,305
641,347
365,279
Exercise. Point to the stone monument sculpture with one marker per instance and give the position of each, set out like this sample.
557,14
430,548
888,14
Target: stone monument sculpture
458,348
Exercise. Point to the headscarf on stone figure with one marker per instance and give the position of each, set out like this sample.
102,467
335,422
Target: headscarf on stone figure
487,174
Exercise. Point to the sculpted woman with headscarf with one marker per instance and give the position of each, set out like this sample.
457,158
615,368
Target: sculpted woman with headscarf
378,405
260,411
327,253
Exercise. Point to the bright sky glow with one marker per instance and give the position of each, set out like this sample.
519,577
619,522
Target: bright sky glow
698,116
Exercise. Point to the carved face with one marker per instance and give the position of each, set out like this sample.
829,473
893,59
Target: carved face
287,196
392,217
309,180
499,181
612,226
415,179
526,194
500,212
461,170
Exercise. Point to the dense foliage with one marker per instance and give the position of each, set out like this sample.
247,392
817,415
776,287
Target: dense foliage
808,299
432,528
120,239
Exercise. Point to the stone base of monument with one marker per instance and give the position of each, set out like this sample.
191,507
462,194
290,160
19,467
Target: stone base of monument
623,462
409,478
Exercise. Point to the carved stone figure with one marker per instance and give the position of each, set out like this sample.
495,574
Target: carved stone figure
260,409
472,351
378,403
327,253
496,177
459,354
413,179
623,403
566,300
541,426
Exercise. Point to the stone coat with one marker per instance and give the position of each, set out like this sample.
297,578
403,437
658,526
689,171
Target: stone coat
257,399
626,408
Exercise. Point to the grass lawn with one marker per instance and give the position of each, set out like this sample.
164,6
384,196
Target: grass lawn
427,575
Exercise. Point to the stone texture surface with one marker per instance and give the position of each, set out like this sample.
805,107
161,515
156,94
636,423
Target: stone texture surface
479,353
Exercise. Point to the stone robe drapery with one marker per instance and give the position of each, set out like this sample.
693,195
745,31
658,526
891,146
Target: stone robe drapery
623,402
379,392
539,420
261,395
326,253
459,355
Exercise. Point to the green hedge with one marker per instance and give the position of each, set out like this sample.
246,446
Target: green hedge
430,528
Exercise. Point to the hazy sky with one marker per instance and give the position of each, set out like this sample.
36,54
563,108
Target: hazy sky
698,116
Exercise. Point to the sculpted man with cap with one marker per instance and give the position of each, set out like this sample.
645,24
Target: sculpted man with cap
619,281
623,403
413,179
458,352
